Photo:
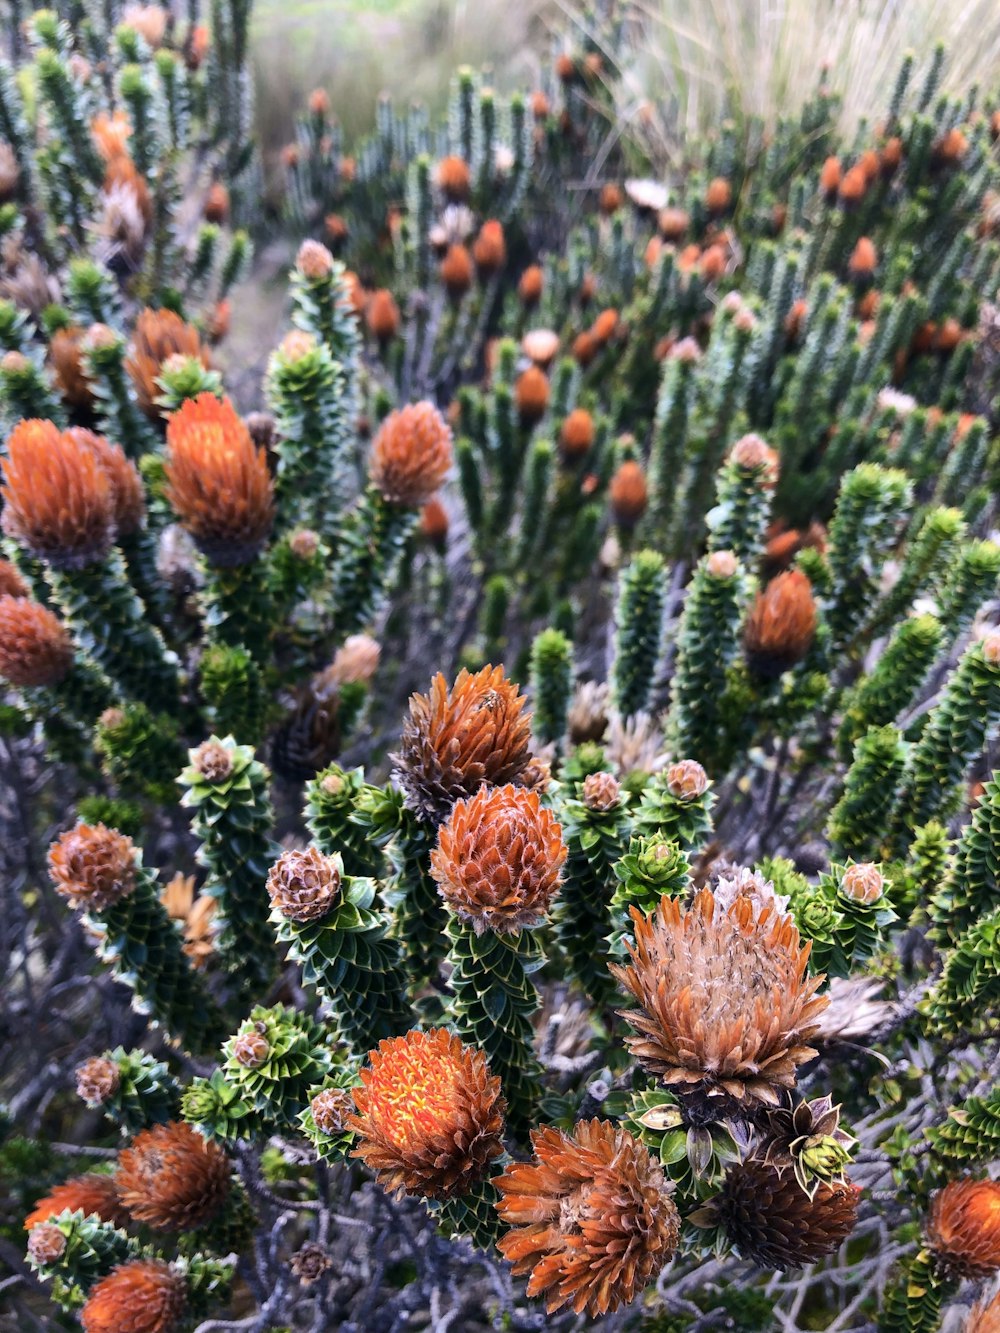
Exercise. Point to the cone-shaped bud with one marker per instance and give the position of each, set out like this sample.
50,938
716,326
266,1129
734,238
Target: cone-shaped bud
218,481
172,1178
629,494
686,780
457,740
781,625
591,1218
499,859
489,249
35,649
382,315
725,1007
531,395
411,455
430,1116
144,1296
93,866
576,437
304,885
453,179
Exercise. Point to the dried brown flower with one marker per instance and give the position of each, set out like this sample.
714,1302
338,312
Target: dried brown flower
310,1263
143,1296
213,760
725,1005
304,886
781,625
67,367
591,1217
172,1178
411,454
46,1243
35,649
91,1194
93,866
97,1079
430,1115
218,481
457,740
331,1108
157,336
963,1230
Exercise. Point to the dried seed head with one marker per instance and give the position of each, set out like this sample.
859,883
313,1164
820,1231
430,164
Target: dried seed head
304,886
430,1115
93,866
499,859
331,1108
311,1262
143,1296
213,761
591,1218
172,1178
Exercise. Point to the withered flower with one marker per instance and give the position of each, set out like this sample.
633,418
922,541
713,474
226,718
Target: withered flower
411,455
591,1218
11,582
35,649
457,740
304,886
143,1296
97,1079
172,1178
67,367
58,499
46,1243
218,481
725,1007
93,866
770,1219
430,1115
963,1230
91,1194
157,336
781,625
499,859
310,1263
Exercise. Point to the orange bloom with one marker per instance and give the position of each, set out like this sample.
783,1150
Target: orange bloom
434,522
529,289
863,260
128,496
11,583
216,207
853,187
172,1178
67,367
35,649
719,195
963,1230
456,271
93,866
457,740
218,481
531,395
430,1115
577,434
453,179
629,494
383,315
111,133
725,1007
830,177
143,1296
584,348
498,861
490,249
591,1218
603,328
781,625
610,200
673,224
158,335
411,455
58,499
92,1194
985,1318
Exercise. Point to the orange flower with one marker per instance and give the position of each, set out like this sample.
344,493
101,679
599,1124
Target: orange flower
891,156
216,208
158,335
430,1115
35,649
172,1178
781,625
603,328
456,271
577,434
863,260
713,263
950,148
489,249
67,367
434,523
457,740
93,866
383,315
531,395
529,289
629,494
58,499
719,195
11,583
498,861
673,224
453,179
830,177
963,1230
218,481
584,348
985,1317
725,1007
128,496
591,1217
411,455
121,171
610,200
853,187
91,1194
111,133
304,886
143,1296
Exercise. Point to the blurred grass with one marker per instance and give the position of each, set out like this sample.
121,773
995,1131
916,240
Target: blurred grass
410,48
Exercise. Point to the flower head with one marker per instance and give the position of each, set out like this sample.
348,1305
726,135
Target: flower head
35,649
218,481
58,498
456,271
771,1220
97,1079
67,367
863,882
629,493
93,866
331,1108
963,1230
383,315
781,625
157,336
411,455
430,1115
127,495
457,740
92,1194
11,582
686,780
590,1216
489,249
143,1296
172,1178
304,886
724,1004
576,437
601,791
46,1243
531,394
453,178
499,859
530,286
